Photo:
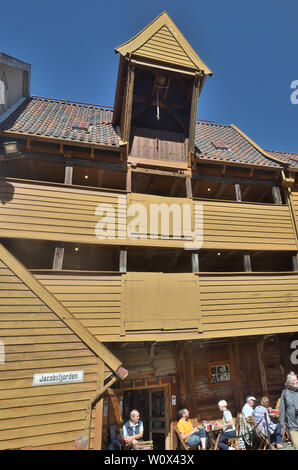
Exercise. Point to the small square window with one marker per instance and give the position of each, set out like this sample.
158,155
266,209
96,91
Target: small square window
219,373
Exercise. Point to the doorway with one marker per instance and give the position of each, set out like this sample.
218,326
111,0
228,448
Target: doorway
151,404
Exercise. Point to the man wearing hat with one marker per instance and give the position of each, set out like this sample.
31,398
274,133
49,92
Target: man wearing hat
246,428
248,407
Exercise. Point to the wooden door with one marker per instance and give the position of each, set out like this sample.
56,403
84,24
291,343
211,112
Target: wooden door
158,418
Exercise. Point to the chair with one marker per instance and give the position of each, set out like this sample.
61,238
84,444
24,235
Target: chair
143,445
233,441
264,441
182,442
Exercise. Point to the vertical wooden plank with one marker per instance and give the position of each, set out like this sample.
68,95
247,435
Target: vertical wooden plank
295,262
68,173
247,263
235,368
188,188
182,378
193,113
58,259
276,195
128,178
191,375
238,192
195,261
123,259
128,101
260,350
99,408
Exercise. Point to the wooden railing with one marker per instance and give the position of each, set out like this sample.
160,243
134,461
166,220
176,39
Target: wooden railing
150,306
57,212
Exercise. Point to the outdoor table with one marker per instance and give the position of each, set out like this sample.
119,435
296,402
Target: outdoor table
211,427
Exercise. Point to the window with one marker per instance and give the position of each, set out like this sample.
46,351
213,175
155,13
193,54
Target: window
219,373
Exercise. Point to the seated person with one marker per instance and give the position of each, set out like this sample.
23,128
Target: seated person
133,429
265,424
191,436
245,426
227,426
248,407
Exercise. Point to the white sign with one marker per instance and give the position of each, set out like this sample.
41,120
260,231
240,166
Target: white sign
57,378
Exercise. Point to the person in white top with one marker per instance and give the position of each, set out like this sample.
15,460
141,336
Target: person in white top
227,426
248,407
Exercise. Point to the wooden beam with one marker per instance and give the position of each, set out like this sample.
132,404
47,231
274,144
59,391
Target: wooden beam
58,259
262,369
68,173
188,188
295,262
238,192
128,178
235,368
128,102
231,179
193,113
123,259
276,195
195,262
99,408
247,263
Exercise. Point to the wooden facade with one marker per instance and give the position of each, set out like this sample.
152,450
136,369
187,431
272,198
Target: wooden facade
100,273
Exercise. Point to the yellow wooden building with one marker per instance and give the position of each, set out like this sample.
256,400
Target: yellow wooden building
147,259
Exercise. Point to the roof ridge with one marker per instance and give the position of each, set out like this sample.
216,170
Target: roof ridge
214,124
283,153
59,100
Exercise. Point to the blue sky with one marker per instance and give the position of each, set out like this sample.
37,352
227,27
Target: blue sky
251,47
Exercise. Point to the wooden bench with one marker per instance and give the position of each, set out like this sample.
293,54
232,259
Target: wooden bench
143,445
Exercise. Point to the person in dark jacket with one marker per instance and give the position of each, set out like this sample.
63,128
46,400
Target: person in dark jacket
289,408
133,429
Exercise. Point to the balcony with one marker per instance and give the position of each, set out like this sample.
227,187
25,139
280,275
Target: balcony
58,212
162,307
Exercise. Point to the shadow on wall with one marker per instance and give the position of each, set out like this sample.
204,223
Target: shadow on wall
6,191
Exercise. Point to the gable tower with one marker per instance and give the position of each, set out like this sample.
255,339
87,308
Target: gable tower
159,81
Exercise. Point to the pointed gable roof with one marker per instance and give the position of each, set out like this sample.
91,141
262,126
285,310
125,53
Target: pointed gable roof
162,41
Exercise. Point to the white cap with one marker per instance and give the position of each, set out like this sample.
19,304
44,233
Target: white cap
251,398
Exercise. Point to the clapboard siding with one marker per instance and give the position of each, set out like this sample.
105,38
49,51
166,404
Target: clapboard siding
55,212
235,305
37,341
164,47
234,225
59,213
94,300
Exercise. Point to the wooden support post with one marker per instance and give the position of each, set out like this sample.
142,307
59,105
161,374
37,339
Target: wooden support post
295,262
247,263
191,382
128,178
235,374
260,350
238,192
195,262
276,195
193,113
128,101
182,378
58,259
99,409
68,173
123,259
188,188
